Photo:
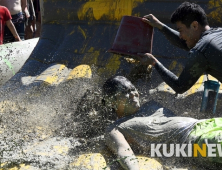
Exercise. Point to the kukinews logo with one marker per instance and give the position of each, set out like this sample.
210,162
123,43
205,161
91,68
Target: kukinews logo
186,150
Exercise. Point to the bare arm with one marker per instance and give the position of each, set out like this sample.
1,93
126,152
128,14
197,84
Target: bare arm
32,8
34,17
24,8
118,144
11,27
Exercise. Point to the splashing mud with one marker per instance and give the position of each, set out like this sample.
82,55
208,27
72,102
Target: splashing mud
37,113
47,127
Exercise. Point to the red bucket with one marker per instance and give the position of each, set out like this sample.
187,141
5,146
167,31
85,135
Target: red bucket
133,36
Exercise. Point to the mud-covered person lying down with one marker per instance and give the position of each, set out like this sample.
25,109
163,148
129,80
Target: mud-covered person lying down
139,127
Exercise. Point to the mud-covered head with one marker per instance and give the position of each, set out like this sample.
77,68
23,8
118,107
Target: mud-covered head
188,12
121,94
114,85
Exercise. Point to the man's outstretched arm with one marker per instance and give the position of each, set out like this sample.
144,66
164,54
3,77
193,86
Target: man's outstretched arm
118,144
11,27
195,67
171,34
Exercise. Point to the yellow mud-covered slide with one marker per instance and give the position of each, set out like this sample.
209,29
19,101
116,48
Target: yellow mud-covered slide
50,112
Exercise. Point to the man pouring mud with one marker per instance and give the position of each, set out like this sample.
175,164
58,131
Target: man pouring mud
17,8
194,35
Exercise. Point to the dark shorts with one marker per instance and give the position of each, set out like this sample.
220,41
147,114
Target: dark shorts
19,23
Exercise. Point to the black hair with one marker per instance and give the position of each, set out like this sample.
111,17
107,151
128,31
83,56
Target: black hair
188,12
114,85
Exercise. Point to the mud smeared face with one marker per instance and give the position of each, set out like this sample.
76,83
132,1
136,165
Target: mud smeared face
127,102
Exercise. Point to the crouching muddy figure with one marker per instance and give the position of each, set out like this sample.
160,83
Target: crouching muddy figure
139,127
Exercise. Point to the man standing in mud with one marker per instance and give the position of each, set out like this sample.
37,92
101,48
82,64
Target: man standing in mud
17,8
194,35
